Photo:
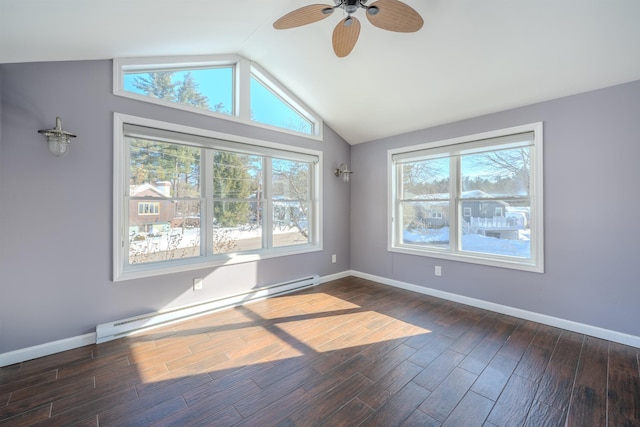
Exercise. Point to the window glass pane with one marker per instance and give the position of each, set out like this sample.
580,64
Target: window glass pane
172,236
496,173
495,206
290,223
207,88
425,179
239,230
291,179
507,234
268,108
237,176
237,209
161,169
168,227
425,223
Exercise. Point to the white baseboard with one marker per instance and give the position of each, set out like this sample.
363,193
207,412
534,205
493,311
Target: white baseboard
336,276
18,356
570,325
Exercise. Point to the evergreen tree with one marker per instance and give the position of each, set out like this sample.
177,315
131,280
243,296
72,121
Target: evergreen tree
230,181
158,85
187,93
161,85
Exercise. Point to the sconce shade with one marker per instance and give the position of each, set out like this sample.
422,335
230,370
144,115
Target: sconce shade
57,139
343,170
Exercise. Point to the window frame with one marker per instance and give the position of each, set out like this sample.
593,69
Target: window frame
208,140
243,70
454,252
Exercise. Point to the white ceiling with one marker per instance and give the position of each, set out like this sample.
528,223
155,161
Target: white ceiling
472,57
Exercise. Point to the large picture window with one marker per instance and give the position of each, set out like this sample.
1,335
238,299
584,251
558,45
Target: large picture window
476,199
186,198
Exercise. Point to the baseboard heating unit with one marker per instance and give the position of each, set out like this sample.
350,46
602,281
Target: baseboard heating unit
121,328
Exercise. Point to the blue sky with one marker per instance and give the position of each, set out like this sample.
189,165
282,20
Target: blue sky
217,85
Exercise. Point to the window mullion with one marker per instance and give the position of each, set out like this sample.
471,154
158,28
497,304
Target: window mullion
267,216
206,204
242,89
454,203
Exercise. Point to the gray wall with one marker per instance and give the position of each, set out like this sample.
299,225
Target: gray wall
56,213
592,211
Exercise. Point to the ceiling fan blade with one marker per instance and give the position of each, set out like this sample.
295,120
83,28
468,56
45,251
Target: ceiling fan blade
396,16
345,36
303,16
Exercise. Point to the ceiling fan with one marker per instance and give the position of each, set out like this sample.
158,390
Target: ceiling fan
391,15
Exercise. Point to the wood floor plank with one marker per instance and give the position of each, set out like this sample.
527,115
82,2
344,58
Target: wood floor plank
325,404
494,378
25,382
420,419
279,411
519,341
545,415
624,359
623,398
380,367
397,409
351,414
275,391
209,403
336,376
567,351
227,417
142,415
386,387
29,417
556,385
479,358
74,409
471,411
471,338
533,363
446,396
589,400
431,350
32,397
439,369
514,403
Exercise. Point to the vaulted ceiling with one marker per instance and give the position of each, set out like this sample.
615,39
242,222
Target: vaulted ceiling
471,57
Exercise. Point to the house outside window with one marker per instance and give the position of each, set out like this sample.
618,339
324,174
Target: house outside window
488,188
187,198
146,208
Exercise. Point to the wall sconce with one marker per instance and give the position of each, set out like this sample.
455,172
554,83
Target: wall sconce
57,138
343,170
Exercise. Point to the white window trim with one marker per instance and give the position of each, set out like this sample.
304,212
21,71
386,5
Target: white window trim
536,263
241,92
121,271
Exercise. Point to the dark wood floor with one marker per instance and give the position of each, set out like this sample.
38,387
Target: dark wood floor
346,353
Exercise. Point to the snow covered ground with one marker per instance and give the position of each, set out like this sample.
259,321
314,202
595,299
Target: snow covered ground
472,242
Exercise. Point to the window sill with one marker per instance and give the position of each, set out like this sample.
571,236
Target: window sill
138,271
501,262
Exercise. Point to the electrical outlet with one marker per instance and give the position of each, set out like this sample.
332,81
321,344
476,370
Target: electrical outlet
438,270
333,258
197,284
